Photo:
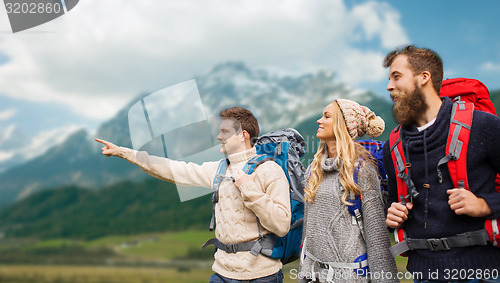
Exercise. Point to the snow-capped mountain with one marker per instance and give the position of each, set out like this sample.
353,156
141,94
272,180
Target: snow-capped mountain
17,148
278,100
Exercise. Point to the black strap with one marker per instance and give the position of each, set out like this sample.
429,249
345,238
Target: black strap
475,238
264,245
297,223
230,248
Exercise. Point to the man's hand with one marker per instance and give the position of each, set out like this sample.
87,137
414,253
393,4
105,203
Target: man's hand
109,149
397,214
241,178
464,202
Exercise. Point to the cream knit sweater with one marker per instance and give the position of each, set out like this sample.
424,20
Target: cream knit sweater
266,197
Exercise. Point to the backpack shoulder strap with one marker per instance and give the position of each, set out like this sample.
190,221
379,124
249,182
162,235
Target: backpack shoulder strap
456,146
456,157
402,177
406,188
257,160
249,168
355,200
219,176
221,170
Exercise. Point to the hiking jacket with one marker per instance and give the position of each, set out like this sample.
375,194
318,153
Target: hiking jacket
267,197
332,236
431,216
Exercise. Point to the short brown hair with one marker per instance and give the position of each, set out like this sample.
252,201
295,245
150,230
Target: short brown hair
245,119
420,59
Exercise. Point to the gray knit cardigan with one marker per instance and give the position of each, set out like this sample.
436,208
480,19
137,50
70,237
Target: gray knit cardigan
332,236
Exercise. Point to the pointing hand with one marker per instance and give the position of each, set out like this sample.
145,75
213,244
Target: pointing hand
110,149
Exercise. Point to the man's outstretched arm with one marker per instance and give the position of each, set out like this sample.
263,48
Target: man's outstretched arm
178,172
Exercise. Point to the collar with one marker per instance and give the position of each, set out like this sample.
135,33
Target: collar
242,156
329,164
435,135
426,125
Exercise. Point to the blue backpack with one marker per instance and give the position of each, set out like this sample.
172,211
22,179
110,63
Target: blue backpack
375,148
284,147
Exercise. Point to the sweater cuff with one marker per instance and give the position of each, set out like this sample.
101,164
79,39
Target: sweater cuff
493,201
126,153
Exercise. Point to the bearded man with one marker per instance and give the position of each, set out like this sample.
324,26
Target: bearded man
441,213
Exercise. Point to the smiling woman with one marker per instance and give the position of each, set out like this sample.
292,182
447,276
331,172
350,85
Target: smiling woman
338,244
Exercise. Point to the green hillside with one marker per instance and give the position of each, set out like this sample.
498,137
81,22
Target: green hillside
121,209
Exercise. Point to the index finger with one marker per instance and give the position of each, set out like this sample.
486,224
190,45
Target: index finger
102,141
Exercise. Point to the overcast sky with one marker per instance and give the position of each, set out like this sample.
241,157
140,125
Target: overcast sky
80,69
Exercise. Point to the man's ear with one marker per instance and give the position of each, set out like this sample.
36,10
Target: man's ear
246,135
425,77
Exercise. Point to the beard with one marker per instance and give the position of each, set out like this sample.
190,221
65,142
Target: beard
409,106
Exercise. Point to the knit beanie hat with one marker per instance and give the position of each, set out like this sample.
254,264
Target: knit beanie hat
360,120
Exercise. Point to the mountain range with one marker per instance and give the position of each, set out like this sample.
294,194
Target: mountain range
72,191
278,100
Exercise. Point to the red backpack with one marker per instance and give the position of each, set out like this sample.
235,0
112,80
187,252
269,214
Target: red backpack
469,90
468,94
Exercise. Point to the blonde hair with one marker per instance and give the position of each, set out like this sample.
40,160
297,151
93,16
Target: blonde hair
347,153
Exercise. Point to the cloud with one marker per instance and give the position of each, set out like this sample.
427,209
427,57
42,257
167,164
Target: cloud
40,143
5,156
490,67
380,20
14,144
103,53
7,114
365,66
7,135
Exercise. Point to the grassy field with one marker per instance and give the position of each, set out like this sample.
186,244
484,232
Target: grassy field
154,246
149,258
100,274
90,274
